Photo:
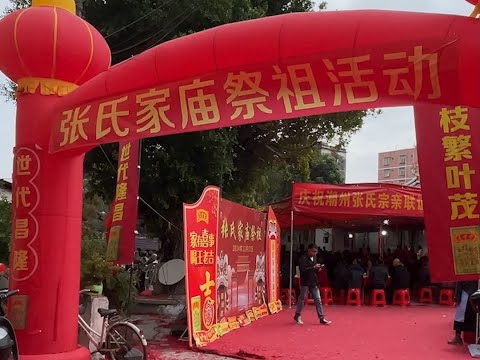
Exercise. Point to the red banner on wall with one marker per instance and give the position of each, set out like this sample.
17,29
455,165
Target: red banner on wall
121,222
273,256
448,153
241,281
200,236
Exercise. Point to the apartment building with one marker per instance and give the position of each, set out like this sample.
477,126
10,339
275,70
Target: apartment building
398,167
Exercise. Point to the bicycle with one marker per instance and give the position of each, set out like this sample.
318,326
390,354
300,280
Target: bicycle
8,340
119,339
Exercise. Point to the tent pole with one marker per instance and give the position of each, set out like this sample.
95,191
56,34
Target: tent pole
291,260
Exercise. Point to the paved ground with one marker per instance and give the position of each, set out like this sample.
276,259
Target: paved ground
163,346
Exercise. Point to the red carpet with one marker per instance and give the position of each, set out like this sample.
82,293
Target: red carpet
363,333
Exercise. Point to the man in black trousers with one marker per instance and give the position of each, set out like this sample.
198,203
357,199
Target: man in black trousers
308,283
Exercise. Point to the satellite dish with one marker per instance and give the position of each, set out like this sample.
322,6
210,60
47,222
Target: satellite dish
171,272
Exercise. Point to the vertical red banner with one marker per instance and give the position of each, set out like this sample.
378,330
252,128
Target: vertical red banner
241,275
200,222
449,153
24,255
122,219
25,224
273,256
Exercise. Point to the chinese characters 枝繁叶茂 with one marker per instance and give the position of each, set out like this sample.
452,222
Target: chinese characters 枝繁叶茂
457,146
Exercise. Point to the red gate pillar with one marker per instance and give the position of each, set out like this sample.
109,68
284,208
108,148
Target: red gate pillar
48,51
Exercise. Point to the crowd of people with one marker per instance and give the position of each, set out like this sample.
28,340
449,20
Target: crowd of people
398,269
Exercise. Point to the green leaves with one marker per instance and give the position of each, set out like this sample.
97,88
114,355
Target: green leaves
5,229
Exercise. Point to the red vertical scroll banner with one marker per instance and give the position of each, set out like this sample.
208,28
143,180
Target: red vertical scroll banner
200,221
26,197
448,151
273,256
122,220
24,256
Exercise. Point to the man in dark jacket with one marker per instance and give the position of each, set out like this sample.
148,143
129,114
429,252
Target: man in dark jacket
308,280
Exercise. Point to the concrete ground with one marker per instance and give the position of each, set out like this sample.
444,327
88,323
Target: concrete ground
162,345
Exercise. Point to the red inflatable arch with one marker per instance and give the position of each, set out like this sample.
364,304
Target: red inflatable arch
261,70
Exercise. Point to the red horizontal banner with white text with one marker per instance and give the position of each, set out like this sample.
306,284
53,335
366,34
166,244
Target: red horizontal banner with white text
448,153
364,199
390,75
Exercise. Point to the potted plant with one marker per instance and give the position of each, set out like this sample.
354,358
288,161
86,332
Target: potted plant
95,271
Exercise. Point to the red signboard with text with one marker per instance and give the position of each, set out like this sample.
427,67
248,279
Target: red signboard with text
122,220
201,232
299,86
273,256
364,199
448,153
241,280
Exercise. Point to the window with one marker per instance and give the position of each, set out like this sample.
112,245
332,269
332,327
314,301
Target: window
386,173
386,161
401,171
403,159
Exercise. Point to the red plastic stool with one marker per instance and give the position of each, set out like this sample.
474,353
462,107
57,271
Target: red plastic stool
426,295
339,297
446,297
327,296
378,298
354,297
401,297
286,299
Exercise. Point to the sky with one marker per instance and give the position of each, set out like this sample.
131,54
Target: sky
393,129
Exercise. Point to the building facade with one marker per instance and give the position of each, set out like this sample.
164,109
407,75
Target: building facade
398,167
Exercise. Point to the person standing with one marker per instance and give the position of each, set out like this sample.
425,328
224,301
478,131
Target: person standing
465,319
309,283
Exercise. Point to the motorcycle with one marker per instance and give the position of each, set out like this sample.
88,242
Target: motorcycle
8,340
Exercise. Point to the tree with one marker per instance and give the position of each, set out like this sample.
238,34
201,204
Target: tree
5,229
326,170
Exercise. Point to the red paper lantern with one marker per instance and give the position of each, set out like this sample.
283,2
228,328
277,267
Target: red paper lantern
473,2
3,268
51,43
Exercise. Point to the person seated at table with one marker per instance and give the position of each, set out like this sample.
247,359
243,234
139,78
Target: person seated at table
356,275
424,273
341,276
400,276
379,276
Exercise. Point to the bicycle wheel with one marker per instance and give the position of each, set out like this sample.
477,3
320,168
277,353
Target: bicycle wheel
125,342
